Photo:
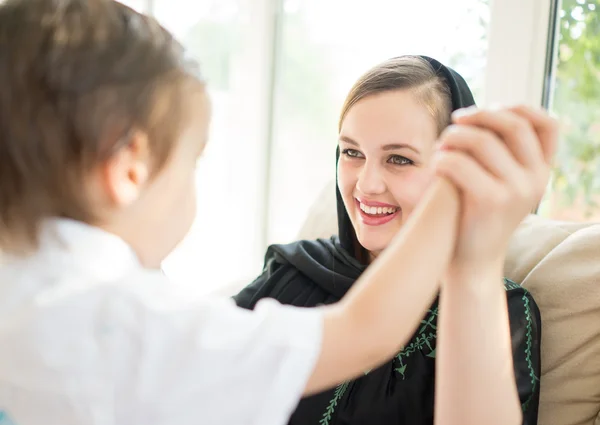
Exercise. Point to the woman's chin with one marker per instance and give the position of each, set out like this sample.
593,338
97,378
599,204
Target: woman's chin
374,245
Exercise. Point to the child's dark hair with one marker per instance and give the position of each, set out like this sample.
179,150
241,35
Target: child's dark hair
76,78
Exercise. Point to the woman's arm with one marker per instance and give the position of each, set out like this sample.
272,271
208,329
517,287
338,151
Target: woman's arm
475,373
504,352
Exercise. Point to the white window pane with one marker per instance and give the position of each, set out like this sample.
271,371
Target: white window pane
575,189
222,244
325,47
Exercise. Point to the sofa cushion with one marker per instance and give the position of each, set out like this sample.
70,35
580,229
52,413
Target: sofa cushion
559,263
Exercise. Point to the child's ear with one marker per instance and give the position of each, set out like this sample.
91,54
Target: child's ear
127,171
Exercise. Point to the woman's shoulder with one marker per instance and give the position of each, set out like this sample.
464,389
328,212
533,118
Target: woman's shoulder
514,291
519,298
289,253
288,275
523,312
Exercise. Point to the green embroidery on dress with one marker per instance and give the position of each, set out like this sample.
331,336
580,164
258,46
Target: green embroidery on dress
422,341
338,394
426,334
534,378
510,285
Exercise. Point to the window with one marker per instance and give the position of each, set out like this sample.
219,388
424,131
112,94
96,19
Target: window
575,98
278,72
222,245
322,52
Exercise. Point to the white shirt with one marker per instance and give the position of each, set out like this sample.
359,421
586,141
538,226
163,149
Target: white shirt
89,337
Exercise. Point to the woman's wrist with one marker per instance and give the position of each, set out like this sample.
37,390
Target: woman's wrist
480,274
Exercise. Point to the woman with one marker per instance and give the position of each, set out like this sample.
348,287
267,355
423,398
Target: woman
389,125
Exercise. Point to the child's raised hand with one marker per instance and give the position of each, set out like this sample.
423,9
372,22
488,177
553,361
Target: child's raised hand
500,162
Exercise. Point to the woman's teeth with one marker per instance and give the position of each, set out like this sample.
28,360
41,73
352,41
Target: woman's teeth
377,210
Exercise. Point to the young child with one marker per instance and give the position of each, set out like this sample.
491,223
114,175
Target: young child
102,119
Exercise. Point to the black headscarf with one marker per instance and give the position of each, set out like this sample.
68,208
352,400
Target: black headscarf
331,263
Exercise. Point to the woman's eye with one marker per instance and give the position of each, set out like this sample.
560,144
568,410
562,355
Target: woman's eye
352,153
399,160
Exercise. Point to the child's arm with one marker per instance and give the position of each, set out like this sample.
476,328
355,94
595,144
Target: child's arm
382,310
221,364
500,162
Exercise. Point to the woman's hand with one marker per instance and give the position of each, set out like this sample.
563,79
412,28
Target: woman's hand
500,162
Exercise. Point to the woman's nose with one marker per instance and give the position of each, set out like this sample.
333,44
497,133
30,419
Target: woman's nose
370,180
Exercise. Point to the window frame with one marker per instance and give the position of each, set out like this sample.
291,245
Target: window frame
521,34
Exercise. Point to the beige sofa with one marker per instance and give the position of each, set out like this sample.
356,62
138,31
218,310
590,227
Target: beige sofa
559,263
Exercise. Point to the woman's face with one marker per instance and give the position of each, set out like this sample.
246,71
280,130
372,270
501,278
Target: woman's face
386,144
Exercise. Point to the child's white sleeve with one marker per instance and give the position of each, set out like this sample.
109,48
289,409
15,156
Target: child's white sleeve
214,363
